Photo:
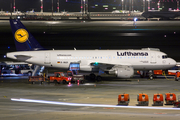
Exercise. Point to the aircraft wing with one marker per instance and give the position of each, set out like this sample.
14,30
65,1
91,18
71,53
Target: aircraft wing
107,66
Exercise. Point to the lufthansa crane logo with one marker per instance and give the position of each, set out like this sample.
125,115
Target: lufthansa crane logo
21,35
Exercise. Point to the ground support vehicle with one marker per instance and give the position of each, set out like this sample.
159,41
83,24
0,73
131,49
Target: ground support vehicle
16,68
123,99
177,76
142,99
34,79
177,103
170,98
158,100
75,78
59,77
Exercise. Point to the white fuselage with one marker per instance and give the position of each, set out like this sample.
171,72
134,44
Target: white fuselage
138,59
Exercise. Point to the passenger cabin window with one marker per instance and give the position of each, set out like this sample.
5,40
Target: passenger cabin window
164,57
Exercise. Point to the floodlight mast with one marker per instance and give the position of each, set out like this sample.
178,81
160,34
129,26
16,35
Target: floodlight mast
84,6
143,5
158,4
41,6
58,5
125,2
149,7
11,8
81,6
129,6
14,7
177,4
122,4
132,3
52,7
87,6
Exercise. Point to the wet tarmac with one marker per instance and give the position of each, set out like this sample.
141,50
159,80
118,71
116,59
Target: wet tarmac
92,100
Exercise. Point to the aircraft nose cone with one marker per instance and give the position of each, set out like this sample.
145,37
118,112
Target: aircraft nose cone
172,62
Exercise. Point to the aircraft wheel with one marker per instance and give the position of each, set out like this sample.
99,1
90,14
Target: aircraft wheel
55,81
99,78
64,81
33,82
82,81
151,77
92,76
141,76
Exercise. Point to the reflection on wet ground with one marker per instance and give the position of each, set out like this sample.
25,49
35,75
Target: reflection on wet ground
95,100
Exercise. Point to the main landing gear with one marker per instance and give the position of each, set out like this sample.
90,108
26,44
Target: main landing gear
94,77
151,75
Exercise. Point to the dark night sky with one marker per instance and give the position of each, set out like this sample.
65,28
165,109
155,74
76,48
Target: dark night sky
74,5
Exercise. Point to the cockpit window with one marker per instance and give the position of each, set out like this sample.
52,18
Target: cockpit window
164,56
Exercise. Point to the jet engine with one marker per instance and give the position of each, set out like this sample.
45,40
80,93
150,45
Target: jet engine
122,71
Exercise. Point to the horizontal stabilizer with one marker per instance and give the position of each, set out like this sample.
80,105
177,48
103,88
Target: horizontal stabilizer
22,57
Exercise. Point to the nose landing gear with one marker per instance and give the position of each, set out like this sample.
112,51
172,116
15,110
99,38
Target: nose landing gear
151,75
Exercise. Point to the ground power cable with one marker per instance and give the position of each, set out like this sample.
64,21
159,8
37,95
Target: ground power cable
164,74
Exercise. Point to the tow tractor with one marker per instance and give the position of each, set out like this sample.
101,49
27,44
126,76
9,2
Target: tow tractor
58,77
177,103
158,100
123,99
143,99
170,98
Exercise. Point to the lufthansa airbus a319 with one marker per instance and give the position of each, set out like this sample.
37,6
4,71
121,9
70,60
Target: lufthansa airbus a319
122,63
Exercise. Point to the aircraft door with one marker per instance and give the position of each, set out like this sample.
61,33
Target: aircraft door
74,66
47,58
153,58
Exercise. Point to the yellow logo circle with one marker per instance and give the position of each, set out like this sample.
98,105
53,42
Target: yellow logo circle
21,35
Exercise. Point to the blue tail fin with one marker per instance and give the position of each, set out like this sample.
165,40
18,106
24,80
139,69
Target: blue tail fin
23,39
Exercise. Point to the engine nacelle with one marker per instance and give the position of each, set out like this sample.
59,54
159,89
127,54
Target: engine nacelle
122,71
